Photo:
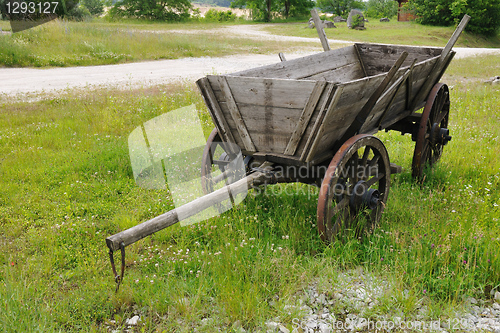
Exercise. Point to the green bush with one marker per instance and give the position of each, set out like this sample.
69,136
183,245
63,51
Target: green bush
381,8
95,7
215,15
170,10
339,7
485,14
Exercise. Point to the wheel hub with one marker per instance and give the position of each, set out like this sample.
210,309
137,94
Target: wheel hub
364,197
440,135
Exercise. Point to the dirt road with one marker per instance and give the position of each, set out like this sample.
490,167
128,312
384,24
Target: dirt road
14,81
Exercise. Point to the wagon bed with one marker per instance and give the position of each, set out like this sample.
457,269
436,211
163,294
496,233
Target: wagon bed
297,111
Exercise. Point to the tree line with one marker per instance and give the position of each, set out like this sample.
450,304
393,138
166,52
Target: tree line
485,13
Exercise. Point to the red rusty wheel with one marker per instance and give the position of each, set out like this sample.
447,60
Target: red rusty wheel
433,133
355,188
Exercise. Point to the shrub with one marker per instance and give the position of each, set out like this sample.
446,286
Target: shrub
219,15
95,7
381,8
485,14
169,10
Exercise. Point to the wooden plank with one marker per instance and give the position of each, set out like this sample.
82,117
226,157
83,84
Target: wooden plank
399,106
361,117
442,62
267,92
304,66
192,208
217,115
356,46
321,116
279,158
236,115
399,83
409,90
319,28
378,58
352,99
331,107
305,117
349,72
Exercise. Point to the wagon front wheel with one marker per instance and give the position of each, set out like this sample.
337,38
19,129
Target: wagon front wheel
215,161
433,133
355,188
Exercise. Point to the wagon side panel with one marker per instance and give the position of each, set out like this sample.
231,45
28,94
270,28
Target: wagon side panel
335,65
352,99
378,58
395,103
269,109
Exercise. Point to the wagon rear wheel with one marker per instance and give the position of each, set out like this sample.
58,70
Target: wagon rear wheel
215,161
355,188
433,133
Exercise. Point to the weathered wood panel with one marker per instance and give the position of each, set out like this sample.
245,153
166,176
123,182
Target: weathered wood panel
305,66
378,58
305,117
353,98
399,106
345,73
217,115
266,92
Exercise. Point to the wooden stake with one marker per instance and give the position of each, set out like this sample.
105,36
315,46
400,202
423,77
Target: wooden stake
319,28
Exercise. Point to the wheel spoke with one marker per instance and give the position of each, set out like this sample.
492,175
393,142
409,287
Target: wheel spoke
441,117
364,159
373,180
436,153
221,162
442,102
374,161
355,164
341,205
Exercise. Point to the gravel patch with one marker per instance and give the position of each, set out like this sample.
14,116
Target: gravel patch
361,302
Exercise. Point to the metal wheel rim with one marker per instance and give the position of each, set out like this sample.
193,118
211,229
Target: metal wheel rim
331,205
436,110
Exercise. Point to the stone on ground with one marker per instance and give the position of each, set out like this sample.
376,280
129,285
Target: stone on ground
356,20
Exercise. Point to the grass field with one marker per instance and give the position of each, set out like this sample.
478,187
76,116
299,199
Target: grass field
67,184
98,42
63,43
407,33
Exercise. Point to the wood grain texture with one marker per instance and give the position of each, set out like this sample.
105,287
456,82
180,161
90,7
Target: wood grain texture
217,115
379,58
305,67
319,28
305,118
333,104
236,115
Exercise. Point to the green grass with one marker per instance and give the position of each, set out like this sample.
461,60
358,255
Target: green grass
98,42
63,43
67,185
406,33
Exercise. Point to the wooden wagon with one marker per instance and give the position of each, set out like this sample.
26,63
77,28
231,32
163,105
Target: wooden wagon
318,114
